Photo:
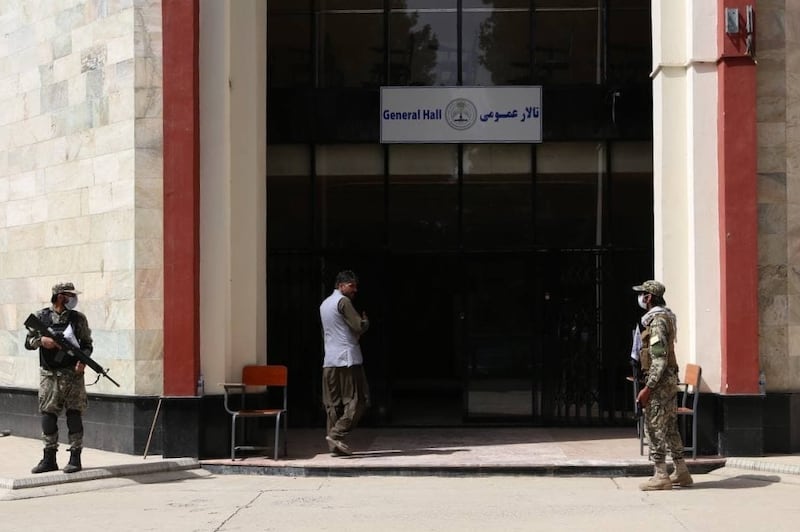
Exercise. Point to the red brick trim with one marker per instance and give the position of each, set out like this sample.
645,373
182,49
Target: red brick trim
181,25
737,144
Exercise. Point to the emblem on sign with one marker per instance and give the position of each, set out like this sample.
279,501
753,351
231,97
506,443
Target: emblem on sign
460,114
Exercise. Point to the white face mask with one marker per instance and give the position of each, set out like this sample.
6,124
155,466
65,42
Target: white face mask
641,301
72,302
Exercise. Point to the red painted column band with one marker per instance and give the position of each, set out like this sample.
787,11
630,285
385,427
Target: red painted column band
738,213
181,196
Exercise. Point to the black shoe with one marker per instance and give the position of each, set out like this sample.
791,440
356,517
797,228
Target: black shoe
340,446
74,464
47,463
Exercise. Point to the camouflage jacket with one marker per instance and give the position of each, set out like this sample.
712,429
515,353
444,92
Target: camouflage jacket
658,344
53,359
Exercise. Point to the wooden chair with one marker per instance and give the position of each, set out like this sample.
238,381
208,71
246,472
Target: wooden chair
691,391
258,376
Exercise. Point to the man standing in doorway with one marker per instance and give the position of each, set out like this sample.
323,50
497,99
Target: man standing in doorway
345,393
657,397
61,384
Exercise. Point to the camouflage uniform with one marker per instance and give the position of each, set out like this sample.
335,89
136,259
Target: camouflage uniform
658,363
60,386
661,412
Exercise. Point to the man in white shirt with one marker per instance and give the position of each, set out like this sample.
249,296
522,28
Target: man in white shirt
345,392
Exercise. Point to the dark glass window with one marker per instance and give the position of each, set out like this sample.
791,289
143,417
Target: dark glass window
566,194
423,47
497,197
567,44
496,43
423,196
351,43
351,195
290,51
289,197
630,202
629,41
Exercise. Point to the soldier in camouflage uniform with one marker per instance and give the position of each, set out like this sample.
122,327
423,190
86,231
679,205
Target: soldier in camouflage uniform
658,395
61,385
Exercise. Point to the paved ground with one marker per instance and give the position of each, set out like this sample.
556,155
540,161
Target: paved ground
724,500
387,452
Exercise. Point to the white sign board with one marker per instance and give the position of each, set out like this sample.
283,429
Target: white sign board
461,114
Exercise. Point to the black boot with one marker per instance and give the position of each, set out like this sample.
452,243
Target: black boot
74,464
48,462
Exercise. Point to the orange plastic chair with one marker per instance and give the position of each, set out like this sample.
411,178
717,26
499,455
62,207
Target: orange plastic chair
258,376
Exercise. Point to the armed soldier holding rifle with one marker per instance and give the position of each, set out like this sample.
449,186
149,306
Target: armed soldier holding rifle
61,384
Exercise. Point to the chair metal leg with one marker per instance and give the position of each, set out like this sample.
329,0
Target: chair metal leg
641,437
233,437
285,436
277,434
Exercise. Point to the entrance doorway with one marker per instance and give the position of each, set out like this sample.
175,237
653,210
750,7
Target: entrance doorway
496,276
497,279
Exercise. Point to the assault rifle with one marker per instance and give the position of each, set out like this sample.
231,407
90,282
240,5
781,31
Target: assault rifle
34,324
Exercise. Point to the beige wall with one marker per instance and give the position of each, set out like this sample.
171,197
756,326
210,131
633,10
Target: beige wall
232,188
80,180
778,115
685,176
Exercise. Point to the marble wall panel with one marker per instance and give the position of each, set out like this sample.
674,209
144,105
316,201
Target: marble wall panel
149,314
149,344
74,76
4,189
118,255
115,137
109,285
794,309
121,105
793,275
113,225
149,102
22,186
150,133
67,232
772,249
149,283
25,237
25,212
149,377
149,224
150,194
771,187
20,263
113,196
150,253
771,159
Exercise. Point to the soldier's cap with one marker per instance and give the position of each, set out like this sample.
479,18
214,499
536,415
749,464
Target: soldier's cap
64,288
651,287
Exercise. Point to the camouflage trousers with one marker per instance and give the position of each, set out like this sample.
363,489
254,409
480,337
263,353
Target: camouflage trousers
63,389
661,419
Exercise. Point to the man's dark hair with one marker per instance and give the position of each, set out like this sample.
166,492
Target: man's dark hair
346,276
658,300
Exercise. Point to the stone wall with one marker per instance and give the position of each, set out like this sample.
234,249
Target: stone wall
81,180
778,108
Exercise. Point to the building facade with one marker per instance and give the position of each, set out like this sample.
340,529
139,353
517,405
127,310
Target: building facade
202,169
